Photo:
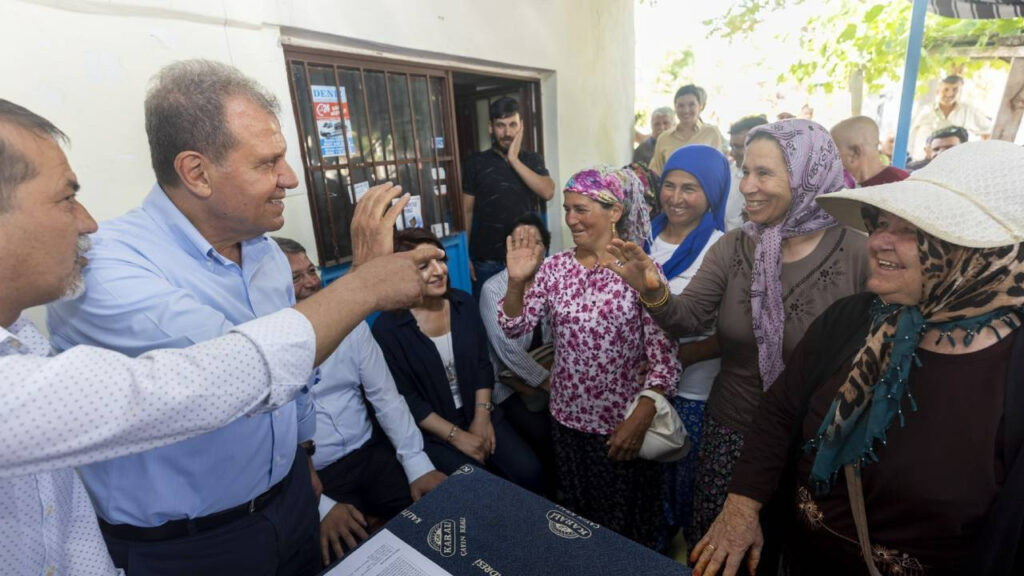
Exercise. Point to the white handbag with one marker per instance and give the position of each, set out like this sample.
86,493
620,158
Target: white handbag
666,440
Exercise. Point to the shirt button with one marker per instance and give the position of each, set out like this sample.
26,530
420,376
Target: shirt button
15,344
51,571
49,509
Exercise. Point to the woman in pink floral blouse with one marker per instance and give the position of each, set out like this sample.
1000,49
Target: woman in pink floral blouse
607,350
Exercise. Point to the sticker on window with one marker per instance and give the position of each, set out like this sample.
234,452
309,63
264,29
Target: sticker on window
332,120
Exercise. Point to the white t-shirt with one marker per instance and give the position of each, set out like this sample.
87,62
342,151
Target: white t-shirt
696,380
733,204
447,352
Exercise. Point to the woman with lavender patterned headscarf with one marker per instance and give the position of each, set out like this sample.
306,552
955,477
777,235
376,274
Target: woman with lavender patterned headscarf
760,286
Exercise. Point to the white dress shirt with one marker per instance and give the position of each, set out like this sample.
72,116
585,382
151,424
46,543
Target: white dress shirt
931,119
734,203
342,422
89,404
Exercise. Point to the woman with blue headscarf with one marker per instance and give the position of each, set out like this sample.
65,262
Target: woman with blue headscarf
694,188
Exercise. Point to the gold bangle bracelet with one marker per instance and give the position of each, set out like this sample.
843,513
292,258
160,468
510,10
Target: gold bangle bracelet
657,304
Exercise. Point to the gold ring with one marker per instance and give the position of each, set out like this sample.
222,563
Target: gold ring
711,547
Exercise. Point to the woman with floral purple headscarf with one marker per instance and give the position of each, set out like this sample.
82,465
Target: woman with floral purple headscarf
760,286
607,350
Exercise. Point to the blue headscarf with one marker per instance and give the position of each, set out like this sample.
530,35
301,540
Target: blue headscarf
711,170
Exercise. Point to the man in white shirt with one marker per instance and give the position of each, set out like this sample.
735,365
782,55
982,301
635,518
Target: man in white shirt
734,217
89,404
522,382
367,478
947,111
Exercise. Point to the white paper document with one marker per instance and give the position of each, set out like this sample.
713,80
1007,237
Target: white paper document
386,555
361,188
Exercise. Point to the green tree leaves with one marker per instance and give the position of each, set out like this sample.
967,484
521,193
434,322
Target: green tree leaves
870,35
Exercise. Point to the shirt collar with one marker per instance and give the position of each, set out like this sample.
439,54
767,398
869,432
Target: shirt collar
166,214
936,108
23,337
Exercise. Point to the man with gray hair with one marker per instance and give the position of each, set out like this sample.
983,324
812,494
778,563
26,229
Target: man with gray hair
186,266
662,120
89,404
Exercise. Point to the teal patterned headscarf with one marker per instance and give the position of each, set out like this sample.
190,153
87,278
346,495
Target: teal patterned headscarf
970,289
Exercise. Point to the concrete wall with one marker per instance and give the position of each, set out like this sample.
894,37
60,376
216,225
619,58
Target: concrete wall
85,65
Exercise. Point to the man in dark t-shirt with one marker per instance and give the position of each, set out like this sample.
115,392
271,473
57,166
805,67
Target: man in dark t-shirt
498,186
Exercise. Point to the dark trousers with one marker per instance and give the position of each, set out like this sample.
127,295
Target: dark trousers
512,459
282,539
369,478
484,269
535,429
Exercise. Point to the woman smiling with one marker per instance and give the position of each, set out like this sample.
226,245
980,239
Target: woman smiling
764,284
694,189
607,351
908,400
437,353
690,101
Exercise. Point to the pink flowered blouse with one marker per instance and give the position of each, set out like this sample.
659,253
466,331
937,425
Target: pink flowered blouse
602,338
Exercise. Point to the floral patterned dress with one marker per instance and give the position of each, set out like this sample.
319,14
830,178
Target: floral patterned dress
607,349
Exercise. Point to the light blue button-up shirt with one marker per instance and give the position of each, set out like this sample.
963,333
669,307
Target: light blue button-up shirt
343,423
153,281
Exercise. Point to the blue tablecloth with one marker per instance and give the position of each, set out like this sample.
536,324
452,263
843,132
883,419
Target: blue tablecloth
475,523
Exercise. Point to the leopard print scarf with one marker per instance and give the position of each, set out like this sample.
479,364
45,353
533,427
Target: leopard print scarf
966,288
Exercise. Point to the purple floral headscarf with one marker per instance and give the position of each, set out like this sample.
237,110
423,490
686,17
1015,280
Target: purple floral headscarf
609,185
814,168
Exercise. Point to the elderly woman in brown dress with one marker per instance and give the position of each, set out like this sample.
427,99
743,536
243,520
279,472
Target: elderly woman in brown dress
760,286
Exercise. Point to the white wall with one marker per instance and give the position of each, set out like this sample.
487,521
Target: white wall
85,65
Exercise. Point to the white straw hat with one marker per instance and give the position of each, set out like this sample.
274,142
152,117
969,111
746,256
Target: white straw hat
971,195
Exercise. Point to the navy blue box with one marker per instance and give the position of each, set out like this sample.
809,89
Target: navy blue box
476,524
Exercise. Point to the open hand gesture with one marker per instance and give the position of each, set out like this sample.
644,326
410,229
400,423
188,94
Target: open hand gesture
634,266
524,253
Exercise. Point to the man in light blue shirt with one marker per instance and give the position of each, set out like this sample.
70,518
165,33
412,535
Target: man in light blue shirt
186,266
367,478
88,404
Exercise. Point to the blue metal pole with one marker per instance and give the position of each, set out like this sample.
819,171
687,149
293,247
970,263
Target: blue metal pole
913,62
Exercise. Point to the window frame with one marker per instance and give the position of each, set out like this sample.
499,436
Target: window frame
316,168
327,240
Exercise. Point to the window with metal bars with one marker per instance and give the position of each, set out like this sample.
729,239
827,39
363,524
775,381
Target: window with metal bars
364,122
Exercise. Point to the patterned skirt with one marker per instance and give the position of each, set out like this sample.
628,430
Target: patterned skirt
719,450
679,476
625,497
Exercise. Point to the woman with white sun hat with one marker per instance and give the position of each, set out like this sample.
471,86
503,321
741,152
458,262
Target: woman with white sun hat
907,401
